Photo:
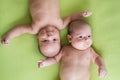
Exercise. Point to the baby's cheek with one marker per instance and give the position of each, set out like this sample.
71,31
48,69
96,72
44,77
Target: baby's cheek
89,42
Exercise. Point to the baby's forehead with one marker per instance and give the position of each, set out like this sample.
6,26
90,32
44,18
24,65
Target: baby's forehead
79,26
81,32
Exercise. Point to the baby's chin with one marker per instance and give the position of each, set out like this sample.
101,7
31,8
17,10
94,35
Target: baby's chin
50,54
81,47
50,51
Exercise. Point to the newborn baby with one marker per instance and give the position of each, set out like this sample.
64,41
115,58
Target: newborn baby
46,22
75,59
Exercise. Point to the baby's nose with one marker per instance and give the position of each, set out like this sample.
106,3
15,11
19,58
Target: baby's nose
85,38
49,33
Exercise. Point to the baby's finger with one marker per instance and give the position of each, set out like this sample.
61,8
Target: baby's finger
87,13
40,61
102,73
0,41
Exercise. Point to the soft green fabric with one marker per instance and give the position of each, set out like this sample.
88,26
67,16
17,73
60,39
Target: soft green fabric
18,61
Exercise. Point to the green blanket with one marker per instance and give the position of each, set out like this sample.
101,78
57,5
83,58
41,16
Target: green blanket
18,61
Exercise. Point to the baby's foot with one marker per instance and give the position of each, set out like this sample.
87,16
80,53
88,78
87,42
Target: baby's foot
86,13
5,41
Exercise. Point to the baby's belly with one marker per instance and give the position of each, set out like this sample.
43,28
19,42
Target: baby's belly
74,73
40,16
44,9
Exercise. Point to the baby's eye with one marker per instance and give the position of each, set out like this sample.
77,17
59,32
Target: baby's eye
89,36
44,41
54,39
80,37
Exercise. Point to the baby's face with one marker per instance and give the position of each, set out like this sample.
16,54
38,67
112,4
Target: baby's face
81,38
49,41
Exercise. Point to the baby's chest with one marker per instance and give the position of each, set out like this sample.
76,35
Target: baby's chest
57,22
77,58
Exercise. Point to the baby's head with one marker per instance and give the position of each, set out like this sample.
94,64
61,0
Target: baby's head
49,41
80,35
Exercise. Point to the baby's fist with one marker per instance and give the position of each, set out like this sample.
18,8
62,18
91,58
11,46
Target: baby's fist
86,13
4,41
41,63
102,72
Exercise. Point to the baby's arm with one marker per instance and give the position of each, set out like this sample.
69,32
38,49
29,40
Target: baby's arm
77,16
17,31
50,61
100,63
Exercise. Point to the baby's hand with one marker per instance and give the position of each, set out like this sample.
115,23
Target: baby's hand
86,13
5,41
42,63
102,72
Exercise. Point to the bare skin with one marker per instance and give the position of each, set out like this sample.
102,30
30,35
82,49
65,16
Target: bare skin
46,18
75,58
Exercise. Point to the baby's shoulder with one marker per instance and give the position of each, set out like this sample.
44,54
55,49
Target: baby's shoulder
66,48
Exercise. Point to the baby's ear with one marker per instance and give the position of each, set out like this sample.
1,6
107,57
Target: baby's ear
69,38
